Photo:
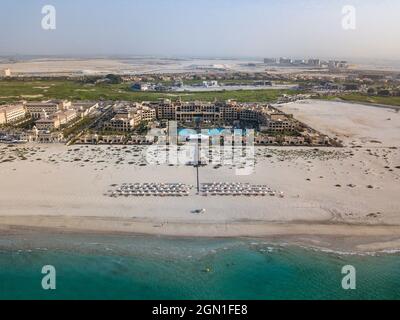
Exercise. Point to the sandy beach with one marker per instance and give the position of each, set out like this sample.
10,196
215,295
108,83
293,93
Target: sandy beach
331,194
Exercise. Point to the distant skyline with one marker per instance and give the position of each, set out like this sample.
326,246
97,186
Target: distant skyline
207,28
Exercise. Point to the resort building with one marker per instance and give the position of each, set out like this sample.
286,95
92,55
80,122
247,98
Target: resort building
190,111
289,140
253,113
56,120
144,113
227,112
230,113
114,139
44,136
128,117
36,109
265,140
46,124
315,138
12,113
29,135
165,110
84,108
65,117
140,140
88,139
279,122
120,123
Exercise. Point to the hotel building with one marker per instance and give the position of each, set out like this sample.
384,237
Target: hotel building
120,123
190,111
84,108
165,110
268,118
228,112
36,109
12,113
56,120
128,118
144,113
279,122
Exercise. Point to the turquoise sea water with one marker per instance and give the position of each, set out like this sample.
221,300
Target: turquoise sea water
138,267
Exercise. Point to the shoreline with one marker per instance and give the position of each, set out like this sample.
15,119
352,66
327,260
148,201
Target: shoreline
324,236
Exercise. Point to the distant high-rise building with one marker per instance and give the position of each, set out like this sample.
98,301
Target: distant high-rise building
299,62
314,62
334,64
285,61
269,60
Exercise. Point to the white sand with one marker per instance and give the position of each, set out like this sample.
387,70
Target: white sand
57,191
350,122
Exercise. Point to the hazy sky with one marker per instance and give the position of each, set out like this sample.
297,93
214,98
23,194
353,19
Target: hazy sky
252,28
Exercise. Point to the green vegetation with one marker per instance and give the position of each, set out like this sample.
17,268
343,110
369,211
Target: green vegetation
114,79
78,126
393,101
28,123
142,128
364,98
13,90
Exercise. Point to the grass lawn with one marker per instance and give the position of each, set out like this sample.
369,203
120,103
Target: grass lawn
363,98
13,90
